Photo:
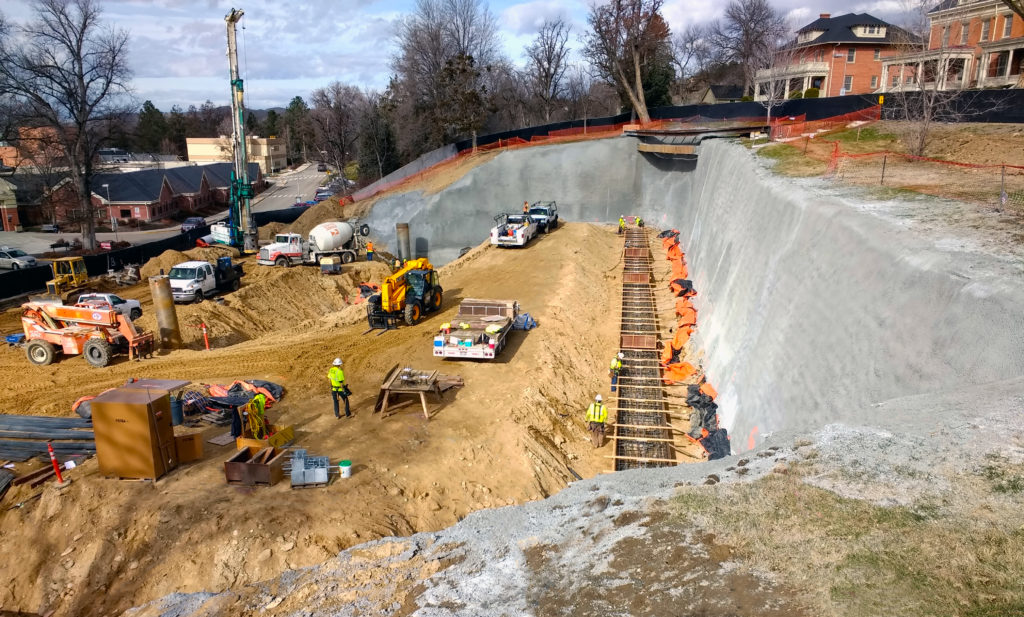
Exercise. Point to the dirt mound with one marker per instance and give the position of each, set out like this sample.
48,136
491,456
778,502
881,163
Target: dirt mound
211,253
328,210
165,261
274,299
268,231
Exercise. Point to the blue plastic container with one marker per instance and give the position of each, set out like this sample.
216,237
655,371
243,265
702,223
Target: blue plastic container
177,412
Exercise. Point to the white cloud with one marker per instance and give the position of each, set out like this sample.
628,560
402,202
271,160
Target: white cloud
527,18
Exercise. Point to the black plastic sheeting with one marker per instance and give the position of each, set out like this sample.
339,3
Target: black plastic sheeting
962,106
34,279
717,444
815,109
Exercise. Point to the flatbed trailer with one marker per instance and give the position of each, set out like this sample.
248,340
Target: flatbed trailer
478,331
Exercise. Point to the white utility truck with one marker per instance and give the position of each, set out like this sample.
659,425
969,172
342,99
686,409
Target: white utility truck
479,330
513,230
192,281
126,306
334,238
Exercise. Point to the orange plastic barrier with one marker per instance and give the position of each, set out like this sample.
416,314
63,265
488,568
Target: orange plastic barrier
679,269
674,252
680,371
688,316
682,335
681,305
706,389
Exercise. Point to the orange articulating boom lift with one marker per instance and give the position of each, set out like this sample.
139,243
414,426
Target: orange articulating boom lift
97,333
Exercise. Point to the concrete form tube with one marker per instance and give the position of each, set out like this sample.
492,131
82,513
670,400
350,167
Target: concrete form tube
166,316
404,247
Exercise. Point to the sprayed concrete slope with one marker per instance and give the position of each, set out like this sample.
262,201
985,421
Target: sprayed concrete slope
810,307
896,362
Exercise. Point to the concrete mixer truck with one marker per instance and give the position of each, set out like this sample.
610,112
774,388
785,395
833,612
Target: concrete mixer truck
334,238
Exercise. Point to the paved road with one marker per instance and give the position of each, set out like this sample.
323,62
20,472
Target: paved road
300,183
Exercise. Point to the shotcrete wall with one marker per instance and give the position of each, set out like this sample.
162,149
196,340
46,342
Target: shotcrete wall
810,307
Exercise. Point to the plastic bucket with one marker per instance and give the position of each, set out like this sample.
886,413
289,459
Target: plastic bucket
177,414
346,469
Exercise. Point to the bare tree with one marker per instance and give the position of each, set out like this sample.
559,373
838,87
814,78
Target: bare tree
771,85
70,74
335,120
693,56
447,50
622,33
378,154
928,80
747,34
546,65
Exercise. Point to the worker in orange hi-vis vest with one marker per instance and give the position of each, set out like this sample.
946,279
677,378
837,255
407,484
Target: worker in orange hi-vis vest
369,251
526,207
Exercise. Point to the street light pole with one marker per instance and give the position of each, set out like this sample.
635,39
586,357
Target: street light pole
114,223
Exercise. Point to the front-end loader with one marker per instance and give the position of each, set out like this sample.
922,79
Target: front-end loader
407,294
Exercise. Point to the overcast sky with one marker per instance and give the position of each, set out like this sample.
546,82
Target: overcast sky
290,47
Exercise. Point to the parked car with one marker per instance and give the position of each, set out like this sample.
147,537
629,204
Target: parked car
15,259
129,308
321,167
51,228
192,222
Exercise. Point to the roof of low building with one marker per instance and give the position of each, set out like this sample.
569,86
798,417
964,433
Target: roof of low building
840,30
144,186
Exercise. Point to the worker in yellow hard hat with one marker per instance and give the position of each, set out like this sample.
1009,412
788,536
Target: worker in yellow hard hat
339,389
614,368
622,224
597,415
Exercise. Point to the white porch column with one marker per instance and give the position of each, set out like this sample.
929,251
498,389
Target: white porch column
885,78
983,73
1009,63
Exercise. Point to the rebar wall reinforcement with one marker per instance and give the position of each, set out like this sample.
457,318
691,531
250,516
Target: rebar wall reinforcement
643,436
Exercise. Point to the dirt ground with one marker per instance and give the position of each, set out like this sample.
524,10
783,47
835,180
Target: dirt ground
507,437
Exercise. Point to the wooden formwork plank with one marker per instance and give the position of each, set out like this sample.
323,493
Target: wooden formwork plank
638,341
656,439
636,277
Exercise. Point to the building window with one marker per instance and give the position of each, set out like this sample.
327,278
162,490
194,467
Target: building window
851,54
878,54
1007,25
872,29
874,81
945,36
126,213
965,29
847,83
985,28
895,80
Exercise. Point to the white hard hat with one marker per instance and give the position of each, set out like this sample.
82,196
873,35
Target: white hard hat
621,355
598,398
337,362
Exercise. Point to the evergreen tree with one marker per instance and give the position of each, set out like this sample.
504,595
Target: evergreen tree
152,128
271,123
177,129
253,126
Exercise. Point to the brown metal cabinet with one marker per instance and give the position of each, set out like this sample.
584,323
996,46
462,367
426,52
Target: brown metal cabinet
134,437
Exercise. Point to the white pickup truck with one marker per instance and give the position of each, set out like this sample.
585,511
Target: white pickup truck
127,307
192,281
513,230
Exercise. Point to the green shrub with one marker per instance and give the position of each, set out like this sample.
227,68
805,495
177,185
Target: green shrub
811,93
796,94
747,99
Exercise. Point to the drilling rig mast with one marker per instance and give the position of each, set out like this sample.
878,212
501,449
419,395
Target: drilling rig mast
241,221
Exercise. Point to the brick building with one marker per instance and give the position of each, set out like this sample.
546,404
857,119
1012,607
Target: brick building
837,55
972,44
152,194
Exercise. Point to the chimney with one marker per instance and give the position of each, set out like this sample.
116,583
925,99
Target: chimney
824,15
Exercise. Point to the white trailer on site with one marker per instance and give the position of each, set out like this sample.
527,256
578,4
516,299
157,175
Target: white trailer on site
478,331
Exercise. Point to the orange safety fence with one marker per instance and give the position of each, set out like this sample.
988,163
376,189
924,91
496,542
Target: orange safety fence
788,127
